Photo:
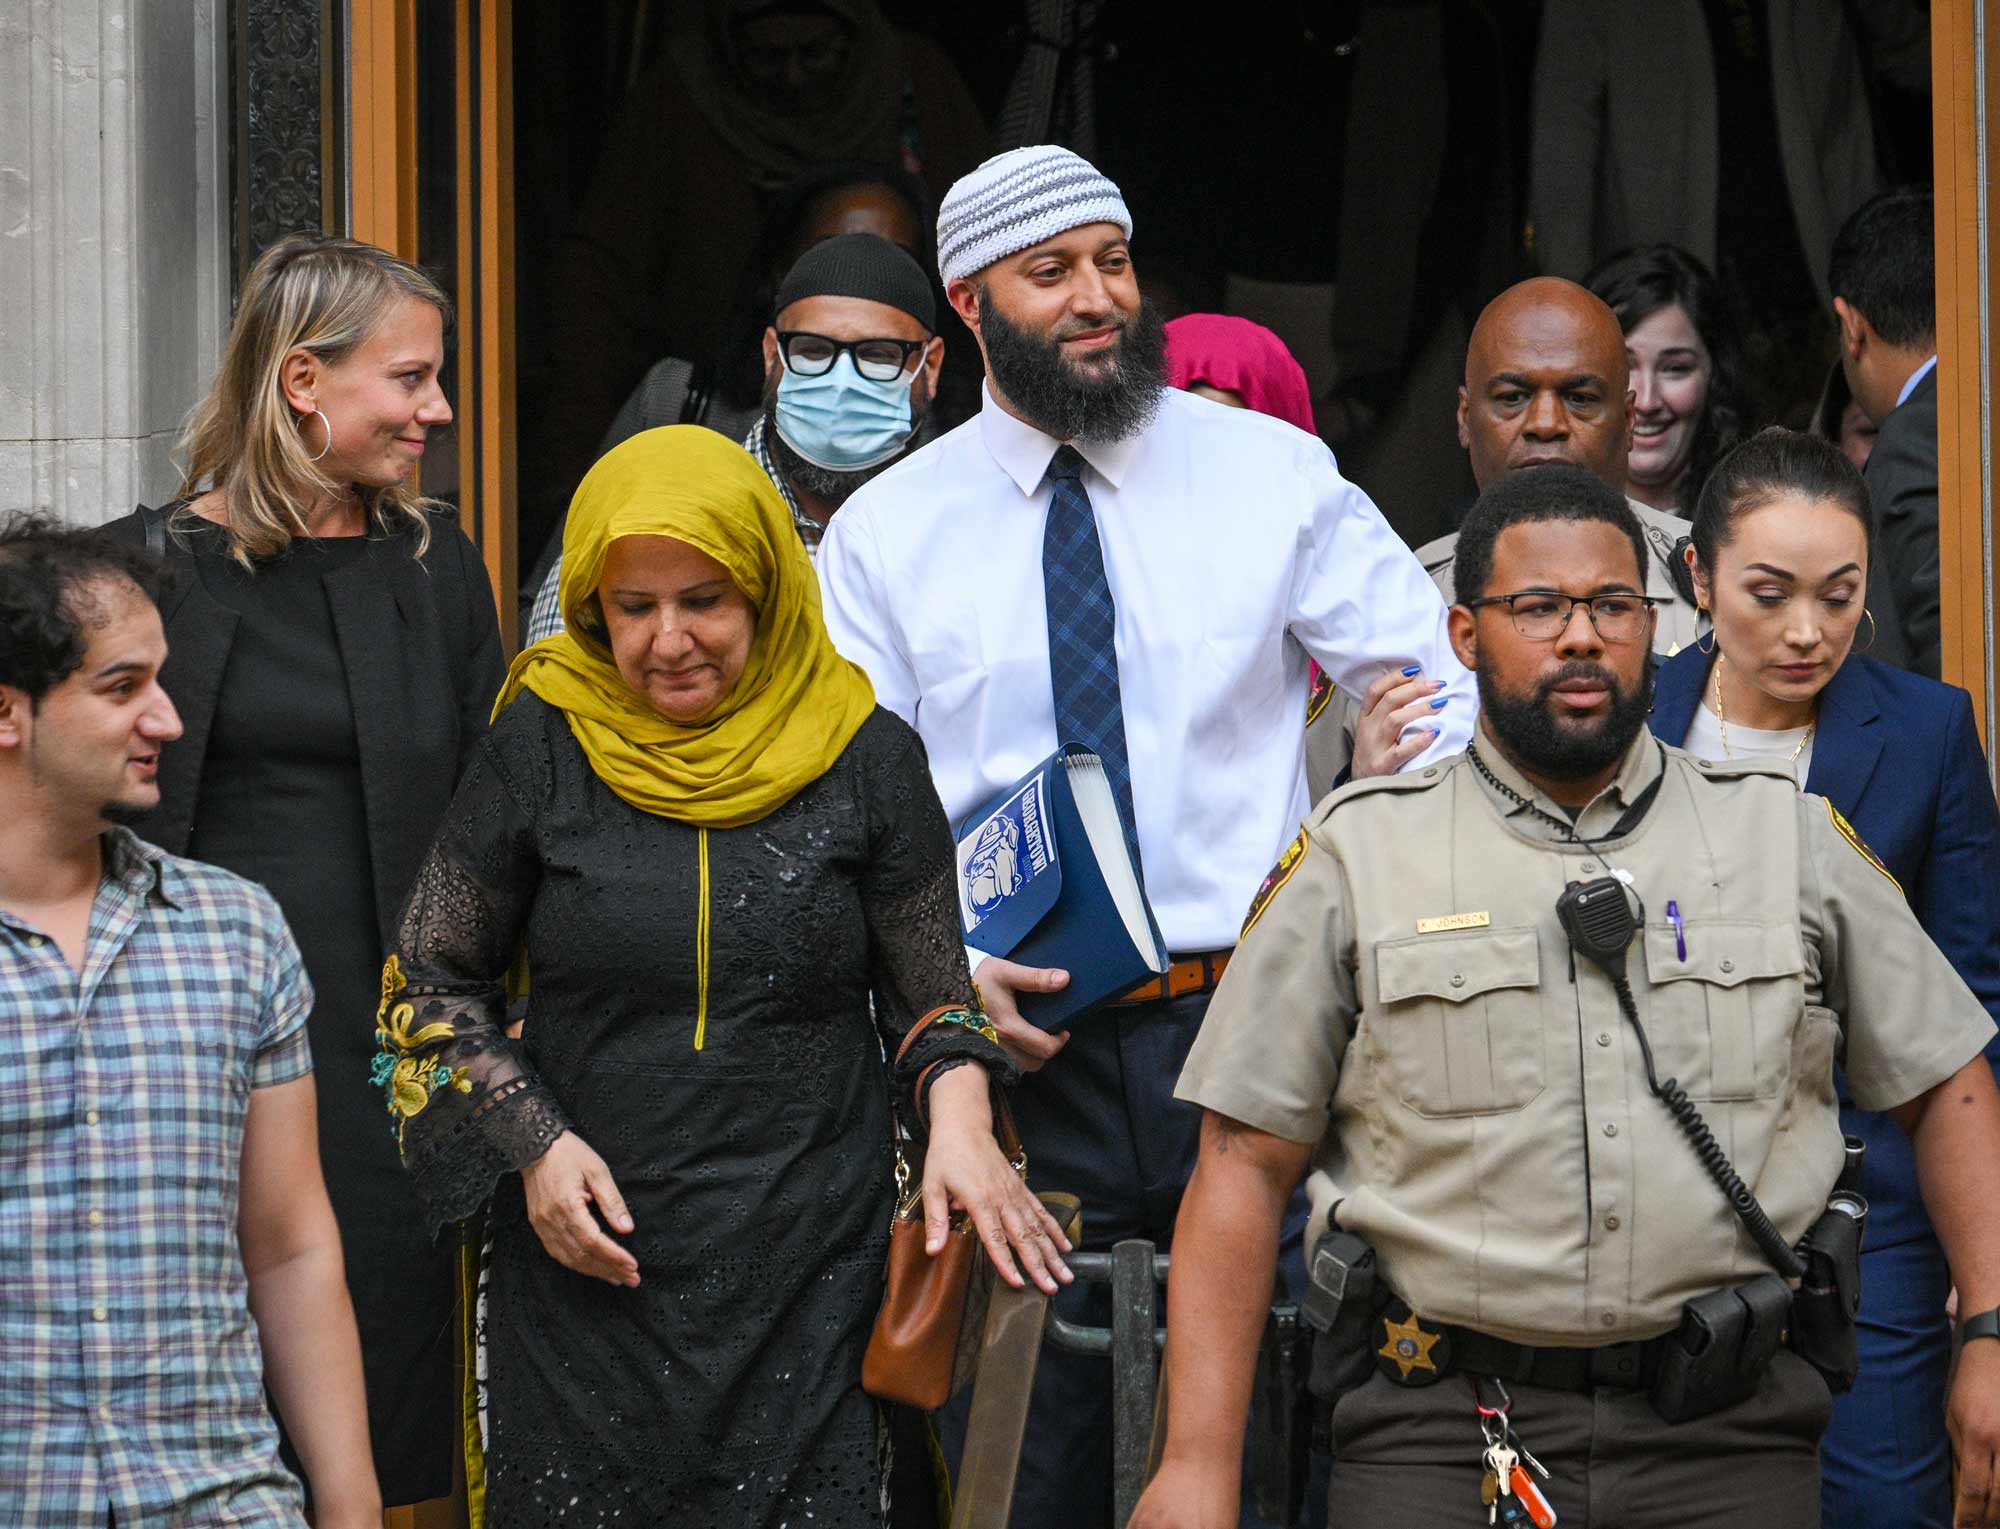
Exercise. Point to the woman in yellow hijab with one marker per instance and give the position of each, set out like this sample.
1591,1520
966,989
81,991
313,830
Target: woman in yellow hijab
734,888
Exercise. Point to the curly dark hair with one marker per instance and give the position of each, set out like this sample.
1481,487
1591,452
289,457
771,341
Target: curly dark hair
1637,283
49,574
1555,492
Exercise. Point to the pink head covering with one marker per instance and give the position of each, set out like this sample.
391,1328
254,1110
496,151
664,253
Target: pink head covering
1244,358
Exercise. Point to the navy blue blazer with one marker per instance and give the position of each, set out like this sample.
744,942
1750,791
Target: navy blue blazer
1899,756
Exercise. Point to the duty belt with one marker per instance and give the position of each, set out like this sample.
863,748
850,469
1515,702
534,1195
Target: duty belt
1413,1352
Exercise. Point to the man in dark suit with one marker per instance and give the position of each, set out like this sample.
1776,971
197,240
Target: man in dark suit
1885,298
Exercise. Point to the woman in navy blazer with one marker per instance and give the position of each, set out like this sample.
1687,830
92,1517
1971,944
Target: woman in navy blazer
1780,562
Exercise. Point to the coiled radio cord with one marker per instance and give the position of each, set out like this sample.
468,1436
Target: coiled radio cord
1601,919
1708,1149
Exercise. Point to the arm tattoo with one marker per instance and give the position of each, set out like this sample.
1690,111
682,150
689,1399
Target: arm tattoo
1223,1130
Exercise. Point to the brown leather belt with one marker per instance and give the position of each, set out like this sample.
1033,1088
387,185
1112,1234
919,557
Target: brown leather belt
1184,975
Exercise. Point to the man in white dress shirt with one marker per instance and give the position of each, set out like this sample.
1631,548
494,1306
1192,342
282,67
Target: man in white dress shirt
1224,549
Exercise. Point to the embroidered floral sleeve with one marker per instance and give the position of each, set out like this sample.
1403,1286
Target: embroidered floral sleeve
461,1098
911,905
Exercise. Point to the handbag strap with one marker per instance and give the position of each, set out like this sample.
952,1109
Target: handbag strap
1003,1115
157,523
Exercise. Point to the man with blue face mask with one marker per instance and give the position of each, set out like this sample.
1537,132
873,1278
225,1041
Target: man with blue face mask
851,361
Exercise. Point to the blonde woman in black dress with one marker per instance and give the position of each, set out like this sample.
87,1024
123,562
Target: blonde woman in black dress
333,654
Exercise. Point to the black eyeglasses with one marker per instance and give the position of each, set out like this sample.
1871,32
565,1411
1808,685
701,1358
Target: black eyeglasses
1542,615
813,355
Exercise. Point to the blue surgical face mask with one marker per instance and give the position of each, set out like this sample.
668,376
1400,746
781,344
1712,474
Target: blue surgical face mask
843,421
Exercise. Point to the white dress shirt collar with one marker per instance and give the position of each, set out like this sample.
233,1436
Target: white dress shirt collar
1915,378
1023,452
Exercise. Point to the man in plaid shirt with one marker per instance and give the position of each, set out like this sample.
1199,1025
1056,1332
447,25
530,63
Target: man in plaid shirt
166,1244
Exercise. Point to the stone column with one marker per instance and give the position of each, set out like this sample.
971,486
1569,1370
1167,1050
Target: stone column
114,244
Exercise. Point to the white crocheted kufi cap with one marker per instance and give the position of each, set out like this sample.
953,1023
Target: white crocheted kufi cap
1018,199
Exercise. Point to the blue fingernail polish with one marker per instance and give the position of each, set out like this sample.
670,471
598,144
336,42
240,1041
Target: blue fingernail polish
1439,702
1413,669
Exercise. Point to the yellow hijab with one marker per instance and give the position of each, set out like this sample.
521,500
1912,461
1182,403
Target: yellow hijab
797,703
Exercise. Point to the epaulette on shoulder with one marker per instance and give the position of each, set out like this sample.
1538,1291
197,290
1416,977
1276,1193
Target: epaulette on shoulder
1375,785
1741,769
1439,553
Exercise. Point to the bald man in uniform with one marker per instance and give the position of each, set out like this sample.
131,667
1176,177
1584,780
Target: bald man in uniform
1475,1095
1546,381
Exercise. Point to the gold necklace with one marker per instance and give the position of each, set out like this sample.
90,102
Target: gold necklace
1722,722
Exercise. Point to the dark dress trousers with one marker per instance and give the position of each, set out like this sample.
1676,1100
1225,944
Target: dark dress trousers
330,699
1899,756
1902,476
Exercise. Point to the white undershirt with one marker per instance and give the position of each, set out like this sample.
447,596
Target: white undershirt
1704,741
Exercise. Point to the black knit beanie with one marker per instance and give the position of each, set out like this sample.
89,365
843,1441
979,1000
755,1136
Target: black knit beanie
860,265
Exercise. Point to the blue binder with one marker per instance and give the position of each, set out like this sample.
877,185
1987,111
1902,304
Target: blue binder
1045,879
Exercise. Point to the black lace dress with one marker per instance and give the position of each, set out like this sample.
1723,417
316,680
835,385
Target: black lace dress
753,1149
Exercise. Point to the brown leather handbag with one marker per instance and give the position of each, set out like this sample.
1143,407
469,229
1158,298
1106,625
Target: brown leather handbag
926,1339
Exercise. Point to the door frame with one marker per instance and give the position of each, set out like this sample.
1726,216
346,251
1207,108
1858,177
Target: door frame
382,157
1965,128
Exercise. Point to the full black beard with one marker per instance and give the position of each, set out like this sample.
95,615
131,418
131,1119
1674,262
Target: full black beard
1062,401
1556,750
829,484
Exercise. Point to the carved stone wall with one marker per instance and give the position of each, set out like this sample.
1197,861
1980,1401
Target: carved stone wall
280,49
114,245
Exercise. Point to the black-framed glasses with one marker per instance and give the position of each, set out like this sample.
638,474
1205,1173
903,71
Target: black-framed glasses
813,355
1542,615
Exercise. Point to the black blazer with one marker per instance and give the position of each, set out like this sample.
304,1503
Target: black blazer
1902,475
421,646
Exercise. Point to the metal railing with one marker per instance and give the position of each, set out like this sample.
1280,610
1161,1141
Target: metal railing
1133,1343
1018,1322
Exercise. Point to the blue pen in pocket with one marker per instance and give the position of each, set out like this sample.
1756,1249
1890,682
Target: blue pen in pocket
1680,930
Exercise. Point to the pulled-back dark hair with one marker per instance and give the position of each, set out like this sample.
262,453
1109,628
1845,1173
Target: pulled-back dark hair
47,573
1637,283
1555,492
1884,265
1768,466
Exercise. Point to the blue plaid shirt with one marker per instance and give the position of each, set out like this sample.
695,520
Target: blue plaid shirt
130,1372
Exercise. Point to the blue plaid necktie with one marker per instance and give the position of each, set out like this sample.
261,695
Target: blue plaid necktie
1083,652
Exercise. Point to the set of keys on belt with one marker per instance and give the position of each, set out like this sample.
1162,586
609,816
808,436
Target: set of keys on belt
1511,1496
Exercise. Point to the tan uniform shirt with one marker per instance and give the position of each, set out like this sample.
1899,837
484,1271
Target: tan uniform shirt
1405,998
1330,730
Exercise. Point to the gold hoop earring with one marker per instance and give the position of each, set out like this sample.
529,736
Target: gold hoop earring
1710,635
1871,630
327,424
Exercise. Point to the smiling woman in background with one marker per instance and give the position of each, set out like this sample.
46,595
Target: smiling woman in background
1687,371
333,654
1780,561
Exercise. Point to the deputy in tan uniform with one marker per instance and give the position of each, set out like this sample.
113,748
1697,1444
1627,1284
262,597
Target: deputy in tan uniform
1546,380
1407,1016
